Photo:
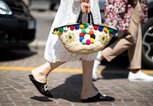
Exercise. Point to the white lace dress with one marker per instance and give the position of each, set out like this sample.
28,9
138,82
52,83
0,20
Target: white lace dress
67,14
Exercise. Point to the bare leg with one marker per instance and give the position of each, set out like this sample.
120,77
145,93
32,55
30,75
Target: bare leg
88,89
89,92
39,77
40,73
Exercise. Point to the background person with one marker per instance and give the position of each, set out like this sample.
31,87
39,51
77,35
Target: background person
126,15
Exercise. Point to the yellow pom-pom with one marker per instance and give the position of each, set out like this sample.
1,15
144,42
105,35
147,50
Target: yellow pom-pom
81,26
105,30
116,34
92,40
56,32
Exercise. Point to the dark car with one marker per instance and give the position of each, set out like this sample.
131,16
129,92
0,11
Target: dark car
17,25
147,34
54,4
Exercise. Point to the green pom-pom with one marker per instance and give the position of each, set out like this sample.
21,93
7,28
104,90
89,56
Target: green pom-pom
86,25
110,30
84,31
60,29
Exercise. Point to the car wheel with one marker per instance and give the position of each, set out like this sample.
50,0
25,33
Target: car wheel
147,44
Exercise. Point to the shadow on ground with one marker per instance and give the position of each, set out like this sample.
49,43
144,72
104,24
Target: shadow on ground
15,54
41,98
117,68
70,90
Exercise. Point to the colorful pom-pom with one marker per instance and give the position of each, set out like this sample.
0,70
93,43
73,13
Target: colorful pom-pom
91,32
116,35
95,27
92,40
105,30
114,32
93,36
60,29
88,30
91,26
86,36
77,27
81,34
81,39
84,31
85,25
100,28
110,30
71,27
66,28
88,42
56,32
81,26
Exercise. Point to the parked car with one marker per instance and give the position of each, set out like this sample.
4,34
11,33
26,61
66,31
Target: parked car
54,4
17,25
147,34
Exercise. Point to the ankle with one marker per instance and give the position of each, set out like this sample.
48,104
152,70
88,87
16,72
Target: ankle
134,70
86,96
88,93
39,76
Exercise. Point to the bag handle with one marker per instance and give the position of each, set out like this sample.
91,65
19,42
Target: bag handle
90,18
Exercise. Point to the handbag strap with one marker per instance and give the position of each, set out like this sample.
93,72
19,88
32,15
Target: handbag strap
90,18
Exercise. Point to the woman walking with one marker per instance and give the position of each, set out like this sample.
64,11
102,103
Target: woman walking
56,54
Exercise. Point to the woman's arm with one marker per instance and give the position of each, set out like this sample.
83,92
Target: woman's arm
85,6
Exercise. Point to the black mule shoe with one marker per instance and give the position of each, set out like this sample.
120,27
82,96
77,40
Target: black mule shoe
42,87
98,98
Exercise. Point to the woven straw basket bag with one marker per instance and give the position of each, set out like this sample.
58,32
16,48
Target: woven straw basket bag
85,38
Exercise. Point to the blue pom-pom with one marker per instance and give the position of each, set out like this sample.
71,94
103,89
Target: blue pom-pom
100,28
81,39
114,32
77,27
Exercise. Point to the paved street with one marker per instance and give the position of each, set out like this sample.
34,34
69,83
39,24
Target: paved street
65,81
17,90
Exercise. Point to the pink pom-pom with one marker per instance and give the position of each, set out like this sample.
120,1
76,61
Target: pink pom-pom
88,42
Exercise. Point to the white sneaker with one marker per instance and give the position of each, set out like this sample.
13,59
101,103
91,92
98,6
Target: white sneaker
95,66
139,77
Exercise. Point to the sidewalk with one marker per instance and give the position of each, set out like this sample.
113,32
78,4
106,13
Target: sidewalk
17,90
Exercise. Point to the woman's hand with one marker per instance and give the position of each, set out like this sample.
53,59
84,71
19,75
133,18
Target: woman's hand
85,7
